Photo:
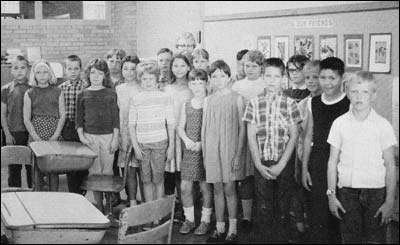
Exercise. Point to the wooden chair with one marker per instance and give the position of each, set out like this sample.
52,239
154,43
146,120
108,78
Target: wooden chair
16,154
146,213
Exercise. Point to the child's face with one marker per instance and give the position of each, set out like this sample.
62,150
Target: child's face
273,79
296,74
311,76
164,61
114,64
180,68
42,75
361,95
252,70
198,88
129,71
185,45
330,82
96,77
19,70
72,70
220,79
200,63
149,82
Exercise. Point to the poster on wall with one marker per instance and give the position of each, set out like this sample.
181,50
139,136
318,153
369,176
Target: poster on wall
304,45
264,45
281,48
380,52
353,48
327,46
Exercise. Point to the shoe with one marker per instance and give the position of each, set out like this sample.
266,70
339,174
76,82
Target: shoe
115,200
178,217
297,237
187,227
216,237
202,229
246,225
231,239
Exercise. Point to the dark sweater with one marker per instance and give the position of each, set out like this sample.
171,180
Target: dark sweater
297,94
97,111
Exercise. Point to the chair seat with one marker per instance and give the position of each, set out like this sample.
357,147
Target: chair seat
15,189
103,183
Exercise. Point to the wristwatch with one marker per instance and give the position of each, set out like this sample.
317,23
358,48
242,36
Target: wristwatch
330,192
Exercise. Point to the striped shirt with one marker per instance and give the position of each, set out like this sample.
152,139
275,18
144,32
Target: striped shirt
70,91
150,111
272,114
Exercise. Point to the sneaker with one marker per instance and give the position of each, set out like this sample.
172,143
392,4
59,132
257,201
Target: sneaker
246,225
202,229
216,237
187,227
231,239
178,217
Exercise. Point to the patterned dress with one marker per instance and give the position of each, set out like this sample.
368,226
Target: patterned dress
192,167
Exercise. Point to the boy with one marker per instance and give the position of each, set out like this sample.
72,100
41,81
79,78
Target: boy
272,132
249,88
12,122
325,108
185,43
295,65
361,163
164,57
151,127
71,88
114,60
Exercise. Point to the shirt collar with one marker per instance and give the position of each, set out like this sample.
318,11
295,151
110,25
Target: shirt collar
301,87
272,95
79,83
371,115
20,84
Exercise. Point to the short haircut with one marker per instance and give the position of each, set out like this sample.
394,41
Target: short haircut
198,74
222,65
19,58
255,56
361,77
312,64
32,77
186,36
241,53
298,60
72,58
101,65
200,52
333,63
185,58
119,53
274,62
130,58
165,50
147,68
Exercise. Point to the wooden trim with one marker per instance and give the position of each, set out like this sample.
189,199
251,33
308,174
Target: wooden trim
339,9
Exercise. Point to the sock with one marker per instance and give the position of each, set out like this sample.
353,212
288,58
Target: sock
189,213
221,227
206,215
133,203
232,226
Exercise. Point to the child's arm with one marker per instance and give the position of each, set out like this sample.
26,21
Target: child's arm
386,210
125,139
113,146
203,128
334,203
170,118
9,138
82,137
61,120
27,118
306,177
242,133
181,129
135,144
79,115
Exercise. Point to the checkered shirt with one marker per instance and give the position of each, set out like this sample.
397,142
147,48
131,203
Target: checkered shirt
70,92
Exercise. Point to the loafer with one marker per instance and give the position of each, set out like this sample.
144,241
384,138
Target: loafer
231,239
202,229
216,237
187,227
246,225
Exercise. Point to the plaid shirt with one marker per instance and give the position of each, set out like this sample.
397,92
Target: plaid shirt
272,114
70,92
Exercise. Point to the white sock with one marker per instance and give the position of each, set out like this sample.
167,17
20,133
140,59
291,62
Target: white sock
206,215
189,213
221,227
232,226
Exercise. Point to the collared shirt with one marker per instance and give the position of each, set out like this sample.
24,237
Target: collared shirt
70,91
361,145
272,114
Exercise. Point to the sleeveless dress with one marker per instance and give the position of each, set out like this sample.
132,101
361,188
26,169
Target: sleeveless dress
221,138
192,167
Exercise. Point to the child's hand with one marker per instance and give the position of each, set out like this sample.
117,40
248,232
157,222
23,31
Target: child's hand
276,169
264,171
113,146
54,137
9,139
189,144
196,147
138,153
306,179
334,206
170,153
236,163
85,141
386,212
36,138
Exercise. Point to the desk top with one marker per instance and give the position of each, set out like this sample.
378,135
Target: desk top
61,148
25,210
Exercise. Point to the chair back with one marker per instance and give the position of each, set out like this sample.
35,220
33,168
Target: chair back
147,213
16,154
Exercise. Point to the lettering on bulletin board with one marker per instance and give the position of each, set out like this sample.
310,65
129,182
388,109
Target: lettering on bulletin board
312,23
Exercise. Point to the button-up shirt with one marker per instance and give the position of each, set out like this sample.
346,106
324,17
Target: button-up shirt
70,91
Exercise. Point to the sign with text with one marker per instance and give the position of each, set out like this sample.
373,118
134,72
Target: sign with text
312,23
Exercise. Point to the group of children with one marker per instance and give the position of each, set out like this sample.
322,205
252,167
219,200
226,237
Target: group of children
183,121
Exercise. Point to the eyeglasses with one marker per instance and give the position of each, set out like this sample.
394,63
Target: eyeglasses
298,69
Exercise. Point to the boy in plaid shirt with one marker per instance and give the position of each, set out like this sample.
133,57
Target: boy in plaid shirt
272,119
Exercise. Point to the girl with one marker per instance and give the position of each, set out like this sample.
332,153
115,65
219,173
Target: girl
44,111
97,120
125,92
200,59
222,142
192,168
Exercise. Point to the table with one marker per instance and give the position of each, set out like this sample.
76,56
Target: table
51,217
57,157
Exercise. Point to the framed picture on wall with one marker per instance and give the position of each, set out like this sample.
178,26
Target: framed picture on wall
264,45
353,50
327,46
304,45
281,48
380,52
